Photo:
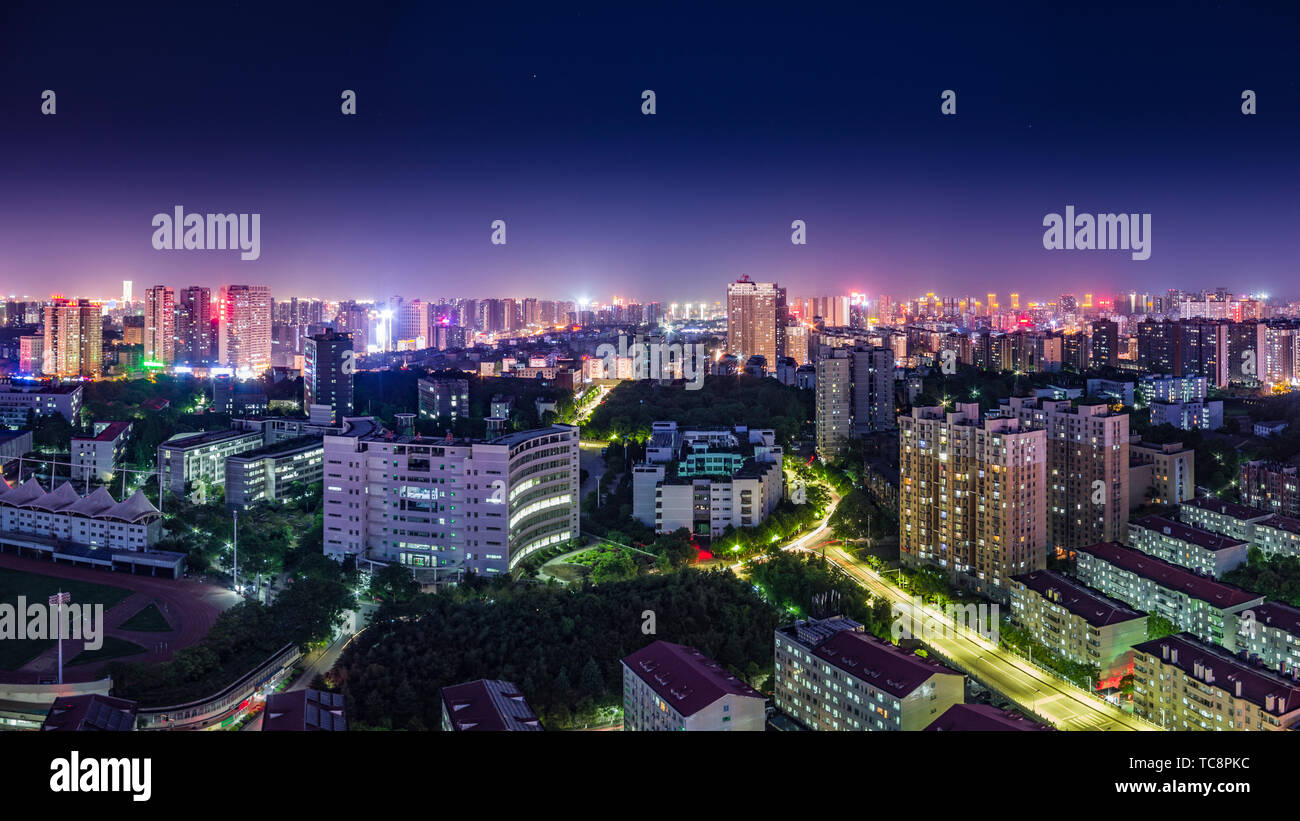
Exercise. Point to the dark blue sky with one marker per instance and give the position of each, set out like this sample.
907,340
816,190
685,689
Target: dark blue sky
531,114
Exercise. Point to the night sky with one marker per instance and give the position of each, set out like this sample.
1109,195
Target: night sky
532,114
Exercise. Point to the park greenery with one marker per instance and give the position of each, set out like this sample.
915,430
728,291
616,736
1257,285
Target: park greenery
633,406
561,645
805,586
1277,577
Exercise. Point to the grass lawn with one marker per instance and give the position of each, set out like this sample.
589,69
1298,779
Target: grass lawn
37,589
148,620
113,648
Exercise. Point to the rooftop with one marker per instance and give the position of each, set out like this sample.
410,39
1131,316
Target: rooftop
684,677
1223,508
884,666
1170,576
489,705
303,710
1186,533
982,718
1081,600
1197,659
90,713
108,434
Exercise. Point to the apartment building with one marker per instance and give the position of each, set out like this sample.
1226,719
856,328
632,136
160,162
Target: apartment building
1271,533
1077,622
831,675
972,496
1161,474
244,338
1201,551
854,395
756,319
1200,605
19,399
983,718
671,687
443,399
1181,683
1200,415
1271,486
1166,388
100,453
451,505
1087,468
1269,635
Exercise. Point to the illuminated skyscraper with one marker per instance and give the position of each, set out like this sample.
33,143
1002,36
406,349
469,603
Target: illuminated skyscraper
74,338
245,328
160,326
756,319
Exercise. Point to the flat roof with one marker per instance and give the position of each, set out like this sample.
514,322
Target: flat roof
1170,576
184,441
1091,605
1187,533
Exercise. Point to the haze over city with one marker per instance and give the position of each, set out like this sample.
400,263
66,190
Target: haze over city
467,117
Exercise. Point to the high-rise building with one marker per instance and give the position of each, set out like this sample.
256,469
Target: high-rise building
1160,347
456,505
756,319
1105,343
74,338
194,337
854,395
1087,469
126,291
972,496
245,328
412,322
160,326
328,366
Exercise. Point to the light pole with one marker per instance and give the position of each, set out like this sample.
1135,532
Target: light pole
60,599
234,512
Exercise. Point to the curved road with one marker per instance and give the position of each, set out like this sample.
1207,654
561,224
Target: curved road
1067,707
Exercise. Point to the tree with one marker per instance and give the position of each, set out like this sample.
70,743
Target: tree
393,583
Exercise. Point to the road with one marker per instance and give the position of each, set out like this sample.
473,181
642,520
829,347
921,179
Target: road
1065,706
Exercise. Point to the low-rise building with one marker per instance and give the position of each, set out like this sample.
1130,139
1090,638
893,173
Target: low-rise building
1226,518
1269,635
17,400
1077,622
201,457
487,705
1270,428
90,713
266,473
14,443
1180,683
305,711
831,675
1200,551
1270,486
1198,604
100,453
983,718
670,686
443,399
1200,415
